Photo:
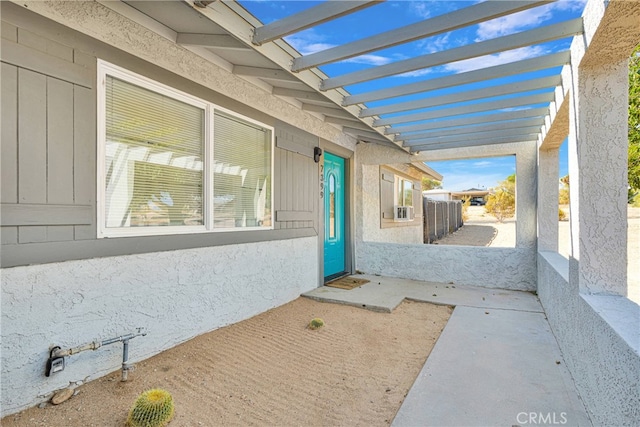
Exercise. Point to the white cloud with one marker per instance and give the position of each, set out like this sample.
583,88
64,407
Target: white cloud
495,59
436,44
417,73
514,23
483,164
420,9
308,41
526,19
369,59
571,5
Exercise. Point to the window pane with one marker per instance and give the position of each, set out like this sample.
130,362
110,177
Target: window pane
332,206
154,151
408,193
242,173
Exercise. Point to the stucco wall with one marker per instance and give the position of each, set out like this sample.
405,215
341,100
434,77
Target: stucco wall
399,255
600,342
370,199
174,295
369,157
503,268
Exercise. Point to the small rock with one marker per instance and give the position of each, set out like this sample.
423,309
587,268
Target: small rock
42,405
557,362
486,312
62,396
434,295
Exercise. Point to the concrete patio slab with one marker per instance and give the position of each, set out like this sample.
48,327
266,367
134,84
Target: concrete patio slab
493,367
495,363
385,293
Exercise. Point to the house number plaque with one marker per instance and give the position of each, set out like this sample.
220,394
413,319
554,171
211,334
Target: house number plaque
321,181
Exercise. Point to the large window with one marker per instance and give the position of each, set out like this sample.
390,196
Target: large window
172,163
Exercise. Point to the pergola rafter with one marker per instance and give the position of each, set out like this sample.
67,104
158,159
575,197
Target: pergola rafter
427,28
487,47
323,12
520,101
487,119
474,143
532,64
488,92
529,131
521,125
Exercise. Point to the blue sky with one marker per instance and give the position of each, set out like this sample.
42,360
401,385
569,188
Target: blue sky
485,172
394,14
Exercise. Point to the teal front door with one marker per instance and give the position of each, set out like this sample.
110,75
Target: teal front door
334,234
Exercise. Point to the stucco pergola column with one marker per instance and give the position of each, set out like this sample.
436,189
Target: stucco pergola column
598,174
548,200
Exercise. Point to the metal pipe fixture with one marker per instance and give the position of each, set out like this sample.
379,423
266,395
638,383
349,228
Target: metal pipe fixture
55,363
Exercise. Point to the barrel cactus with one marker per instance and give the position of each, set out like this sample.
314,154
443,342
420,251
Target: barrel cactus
316,323
153,408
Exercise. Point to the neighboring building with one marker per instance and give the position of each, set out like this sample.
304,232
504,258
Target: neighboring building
438,194
470,193
178,166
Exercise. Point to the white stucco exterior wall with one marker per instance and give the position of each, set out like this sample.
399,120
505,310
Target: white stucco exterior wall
548,192
600,341
369,157
597,327
174,295
505,268
598,173
500,268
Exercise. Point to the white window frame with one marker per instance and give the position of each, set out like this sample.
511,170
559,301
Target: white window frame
105,69
408,209
272,171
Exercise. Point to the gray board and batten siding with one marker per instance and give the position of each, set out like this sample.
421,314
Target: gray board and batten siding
48,205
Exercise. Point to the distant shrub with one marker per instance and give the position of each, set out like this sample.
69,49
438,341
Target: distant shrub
561,215
502,202
465,207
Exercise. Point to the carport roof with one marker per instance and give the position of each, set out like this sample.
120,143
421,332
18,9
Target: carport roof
500,101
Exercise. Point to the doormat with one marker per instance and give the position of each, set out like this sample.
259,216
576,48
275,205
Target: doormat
347,283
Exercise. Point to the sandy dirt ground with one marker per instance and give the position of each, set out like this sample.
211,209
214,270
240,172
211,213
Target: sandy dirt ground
271,370
482,229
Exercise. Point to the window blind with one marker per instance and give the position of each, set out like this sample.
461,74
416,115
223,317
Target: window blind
242,173
153,158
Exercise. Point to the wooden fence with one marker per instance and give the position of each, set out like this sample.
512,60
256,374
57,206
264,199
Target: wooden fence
440,218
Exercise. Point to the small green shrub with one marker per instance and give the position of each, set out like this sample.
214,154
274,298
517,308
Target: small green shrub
316,323
153,408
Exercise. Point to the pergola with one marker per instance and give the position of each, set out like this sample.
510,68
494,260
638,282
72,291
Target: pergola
226,33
